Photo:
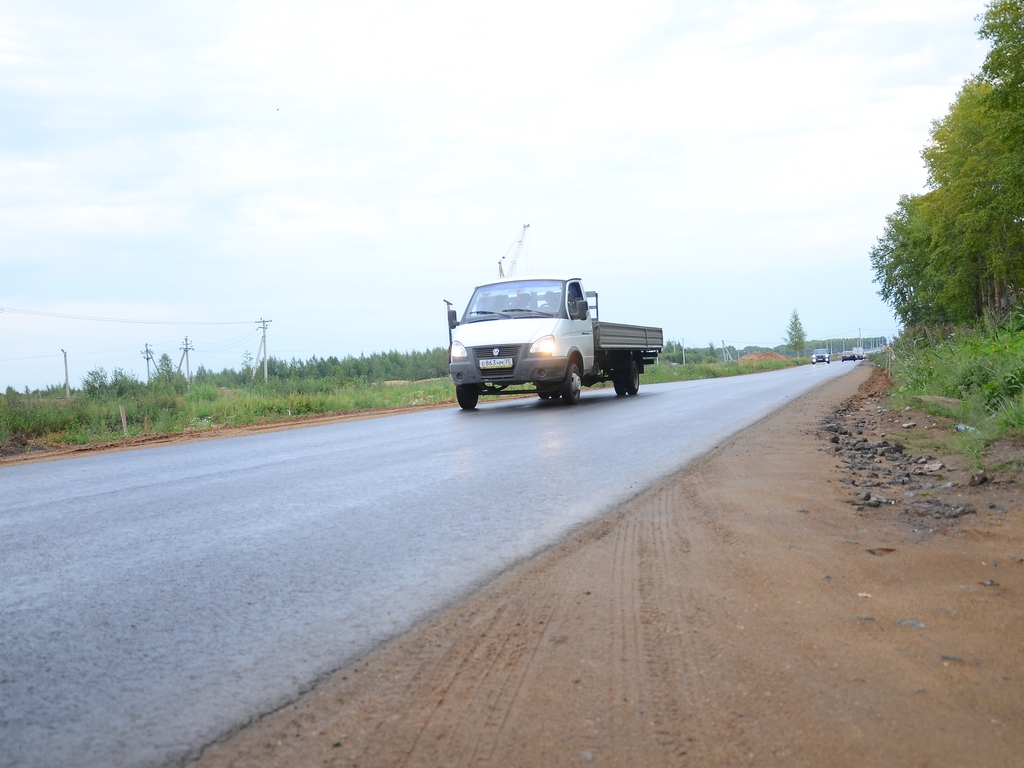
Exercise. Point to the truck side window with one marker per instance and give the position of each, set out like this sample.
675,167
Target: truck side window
575,293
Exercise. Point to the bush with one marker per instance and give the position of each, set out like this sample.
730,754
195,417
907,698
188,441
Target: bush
981,365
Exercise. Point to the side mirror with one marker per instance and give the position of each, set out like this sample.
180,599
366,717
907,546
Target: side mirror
453,318
582,310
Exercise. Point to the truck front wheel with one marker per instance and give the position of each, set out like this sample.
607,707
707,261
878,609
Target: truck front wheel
467,395
572,384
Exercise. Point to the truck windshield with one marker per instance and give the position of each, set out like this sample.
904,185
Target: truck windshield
520,298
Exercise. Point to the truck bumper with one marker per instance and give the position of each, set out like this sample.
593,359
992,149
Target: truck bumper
534,370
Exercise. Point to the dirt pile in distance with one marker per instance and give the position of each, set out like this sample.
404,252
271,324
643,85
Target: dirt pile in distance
754,357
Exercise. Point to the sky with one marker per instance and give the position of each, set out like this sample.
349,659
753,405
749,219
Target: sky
342,168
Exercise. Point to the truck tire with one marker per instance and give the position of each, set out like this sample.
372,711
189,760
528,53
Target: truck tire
571,385
467,395
619,382
631,381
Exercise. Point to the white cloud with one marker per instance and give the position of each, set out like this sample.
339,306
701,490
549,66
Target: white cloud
278,153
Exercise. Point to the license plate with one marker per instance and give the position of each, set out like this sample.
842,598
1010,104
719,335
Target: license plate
496,362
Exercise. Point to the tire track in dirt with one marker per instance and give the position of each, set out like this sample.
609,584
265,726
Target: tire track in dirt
474,689
662,559
498,692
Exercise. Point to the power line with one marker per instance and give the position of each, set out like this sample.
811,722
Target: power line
40,313
19,359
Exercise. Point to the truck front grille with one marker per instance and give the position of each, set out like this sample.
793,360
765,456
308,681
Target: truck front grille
512,351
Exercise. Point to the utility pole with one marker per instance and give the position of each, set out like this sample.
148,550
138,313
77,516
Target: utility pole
67,380
263,348
148,354
184,359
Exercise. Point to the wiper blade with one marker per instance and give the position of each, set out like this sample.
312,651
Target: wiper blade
535,312
487,316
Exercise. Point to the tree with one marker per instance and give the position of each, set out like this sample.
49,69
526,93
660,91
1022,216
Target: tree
901,262
165,368
975,235
95,381
1003,73
795,336
956,253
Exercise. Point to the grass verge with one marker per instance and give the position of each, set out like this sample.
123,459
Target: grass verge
95,417
972,376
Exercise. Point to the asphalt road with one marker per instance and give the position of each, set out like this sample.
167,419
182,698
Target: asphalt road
152,600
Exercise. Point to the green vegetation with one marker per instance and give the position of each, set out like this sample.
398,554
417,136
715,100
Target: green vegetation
980,369
956,253
950,262
317,386
96,417
168,404
667,371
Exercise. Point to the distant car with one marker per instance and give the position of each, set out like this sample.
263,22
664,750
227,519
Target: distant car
820,356
849,356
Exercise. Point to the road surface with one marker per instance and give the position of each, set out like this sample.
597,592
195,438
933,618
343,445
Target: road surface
153,600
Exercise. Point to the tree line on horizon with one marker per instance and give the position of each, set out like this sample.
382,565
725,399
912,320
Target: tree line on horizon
955,253
378,367
375,368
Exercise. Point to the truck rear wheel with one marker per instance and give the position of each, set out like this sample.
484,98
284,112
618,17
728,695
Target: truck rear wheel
631,383
572,384
467,395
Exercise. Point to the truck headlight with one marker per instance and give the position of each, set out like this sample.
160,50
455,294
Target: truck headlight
543,346
458,351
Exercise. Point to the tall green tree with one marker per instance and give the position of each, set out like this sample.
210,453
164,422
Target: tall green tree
902,267
974,231
957,252
796,339
1003,72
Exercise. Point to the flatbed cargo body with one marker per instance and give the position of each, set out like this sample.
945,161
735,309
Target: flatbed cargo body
620,336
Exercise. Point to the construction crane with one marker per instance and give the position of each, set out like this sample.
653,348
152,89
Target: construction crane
518,246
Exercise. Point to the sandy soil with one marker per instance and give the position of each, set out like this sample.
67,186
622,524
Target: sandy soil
743,611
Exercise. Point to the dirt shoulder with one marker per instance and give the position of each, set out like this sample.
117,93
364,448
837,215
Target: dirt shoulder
752,609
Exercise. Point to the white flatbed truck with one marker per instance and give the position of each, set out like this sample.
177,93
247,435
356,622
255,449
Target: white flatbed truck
543,332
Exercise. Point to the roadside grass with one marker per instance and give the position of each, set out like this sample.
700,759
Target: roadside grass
93,415
91,419
668,372
971,376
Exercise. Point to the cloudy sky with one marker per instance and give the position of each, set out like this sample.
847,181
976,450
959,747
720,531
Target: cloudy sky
342,168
